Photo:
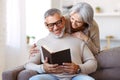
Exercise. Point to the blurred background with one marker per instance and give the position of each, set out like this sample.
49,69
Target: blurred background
21,25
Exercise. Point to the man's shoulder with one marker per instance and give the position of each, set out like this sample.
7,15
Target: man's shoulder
43,40
74,39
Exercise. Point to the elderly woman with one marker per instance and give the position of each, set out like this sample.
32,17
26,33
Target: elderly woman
80,24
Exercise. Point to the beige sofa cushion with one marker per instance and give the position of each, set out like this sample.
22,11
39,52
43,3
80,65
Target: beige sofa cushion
109,58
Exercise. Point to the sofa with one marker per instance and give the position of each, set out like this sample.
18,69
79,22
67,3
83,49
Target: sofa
108,68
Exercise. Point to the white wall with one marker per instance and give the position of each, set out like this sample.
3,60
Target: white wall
106,5
109,26
2,36
35,18
55,4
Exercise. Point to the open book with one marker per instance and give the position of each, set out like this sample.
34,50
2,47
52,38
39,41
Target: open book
57,57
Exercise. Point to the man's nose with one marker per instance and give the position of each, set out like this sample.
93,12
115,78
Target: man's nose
55,26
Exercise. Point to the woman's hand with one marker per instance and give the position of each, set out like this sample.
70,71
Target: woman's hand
81,36
33,50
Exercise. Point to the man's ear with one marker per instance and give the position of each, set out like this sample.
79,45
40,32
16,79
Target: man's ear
45,24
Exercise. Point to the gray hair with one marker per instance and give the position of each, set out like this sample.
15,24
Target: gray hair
85,11
51,12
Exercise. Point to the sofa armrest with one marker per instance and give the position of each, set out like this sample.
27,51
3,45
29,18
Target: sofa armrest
26,74
12,73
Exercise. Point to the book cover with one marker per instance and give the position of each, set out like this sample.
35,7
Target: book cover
57,57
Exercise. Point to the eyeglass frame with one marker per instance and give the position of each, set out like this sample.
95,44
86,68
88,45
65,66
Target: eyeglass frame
58,23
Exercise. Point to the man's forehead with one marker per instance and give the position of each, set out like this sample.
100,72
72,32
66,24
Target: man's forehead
53,18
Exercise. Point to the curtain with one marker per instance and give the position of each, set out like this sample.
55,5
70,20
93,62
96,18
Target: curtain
16,53
22,14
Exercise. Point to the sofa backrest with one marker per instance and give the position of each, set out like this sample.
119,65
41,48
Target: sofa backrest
109,58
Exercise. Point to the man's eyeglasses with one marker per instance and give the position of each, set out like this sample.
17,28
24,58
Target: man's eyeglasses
57,23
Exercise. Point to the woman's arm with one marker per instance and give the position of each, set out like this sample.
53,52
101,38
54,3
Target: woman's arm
93,42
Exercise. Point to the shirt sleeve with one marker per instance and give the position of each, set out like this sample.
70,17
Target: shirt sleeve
93,42
35,67
34,63
89,62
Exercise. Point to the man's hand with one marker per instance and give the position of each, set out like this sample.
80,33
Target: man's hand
70,68
52,68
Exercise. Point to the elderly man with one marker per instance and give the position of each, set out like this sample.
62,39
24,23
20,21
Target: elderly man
83,61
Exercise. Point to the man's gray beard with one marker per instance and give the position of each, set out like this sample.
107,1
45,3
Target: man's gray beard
61,35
